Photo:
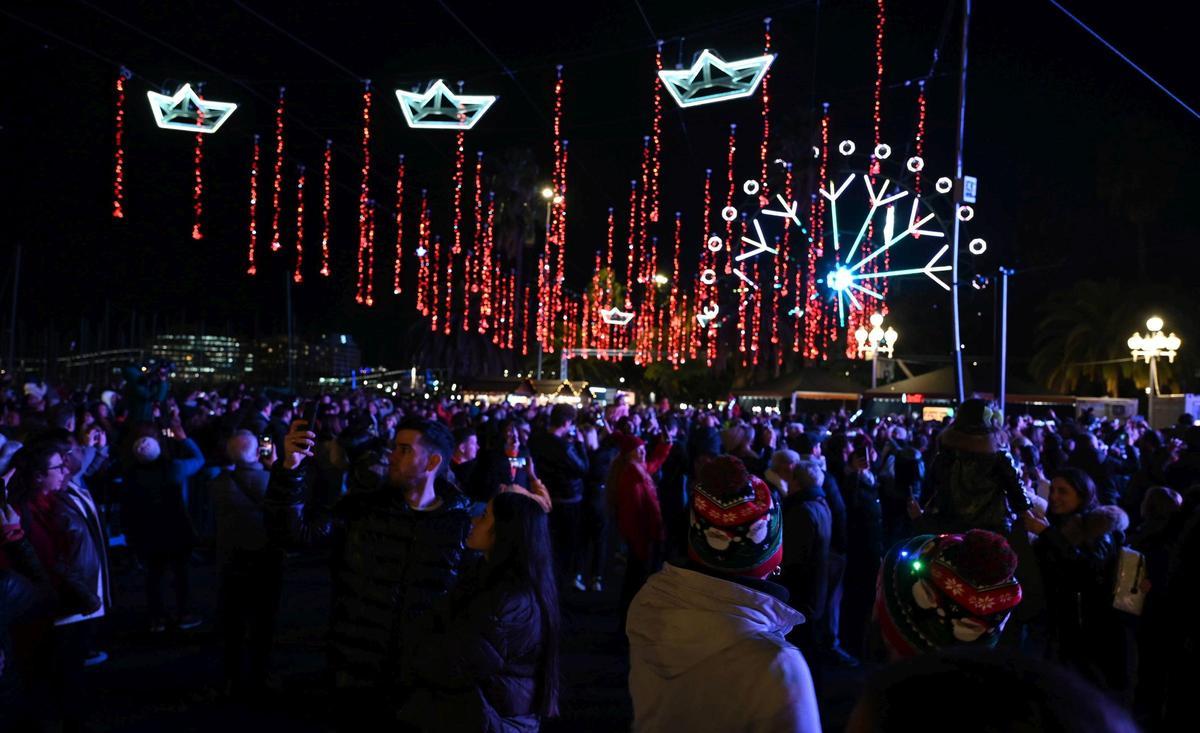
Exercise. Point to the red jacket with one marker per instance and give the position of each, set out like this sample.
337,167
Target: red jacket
639,518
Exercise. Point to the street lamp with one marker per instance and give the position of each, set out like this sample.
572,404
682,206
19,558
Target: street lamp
1153,345
871,343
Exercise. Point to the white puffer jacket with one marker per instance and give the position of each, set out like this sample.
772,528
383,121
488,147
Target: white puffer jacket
708,654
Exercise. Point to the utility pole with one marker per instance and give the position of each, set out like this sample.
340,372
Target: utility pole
962,120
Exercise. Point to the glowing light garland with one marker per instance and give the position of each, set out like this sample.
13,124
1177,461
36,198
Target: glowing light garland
198,182
186,111
440,108
456,230
363,294
919,143
712,79
277,182
298,273
250,268
118,210
398,263
766,110
652,191
326,192
423,256
488,298
475,278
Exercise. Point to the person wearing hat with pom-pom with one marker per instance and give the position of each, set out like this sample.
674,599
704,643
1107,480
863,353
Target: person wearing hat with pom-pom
712,629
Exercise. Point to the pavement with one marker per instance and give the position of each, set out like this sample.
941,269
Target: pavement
171,681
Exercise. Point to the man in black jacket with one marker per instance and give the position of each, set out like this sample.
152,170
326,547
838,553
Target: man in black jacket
562,464
397,547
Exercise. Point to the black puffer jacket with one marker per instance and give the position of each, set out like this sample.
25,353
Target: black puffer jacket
390,563
562,465
1076,556
479,670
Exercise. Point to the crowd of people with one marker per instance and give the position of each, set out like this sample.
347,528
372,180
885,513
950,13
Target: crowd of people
754,552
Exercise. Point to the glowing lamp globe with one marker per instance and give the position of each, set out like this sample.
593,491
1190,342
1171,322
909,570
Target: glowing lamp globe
1154,323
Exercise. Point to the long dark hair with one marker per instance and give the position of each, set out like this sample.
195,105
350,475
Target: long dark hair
522,556
1083,486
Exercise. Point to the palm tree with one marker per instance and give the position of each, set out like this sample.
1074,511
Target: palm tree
1082,336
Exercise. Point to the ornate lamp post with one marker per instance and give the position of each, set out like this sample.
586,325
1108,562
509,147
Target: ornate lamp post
1153,345
871,343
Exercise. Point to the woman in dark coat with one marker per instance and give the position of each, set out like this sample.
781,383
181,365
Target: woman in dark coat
1076,549
492,664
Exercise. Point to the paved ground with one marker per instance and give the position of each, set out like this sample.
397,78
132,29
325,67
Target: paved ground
170,682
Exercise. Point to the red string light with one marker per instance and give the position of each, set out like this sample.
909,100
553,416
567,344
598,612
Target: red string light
920,141
326,196
435,304
885,264
630,272
370,299
814,313
364,196
298,273
423,255
656,136
250,268
729,198
277,184
197,185
766,113
674,345
118,210
456,245
488,295
399,261
471,293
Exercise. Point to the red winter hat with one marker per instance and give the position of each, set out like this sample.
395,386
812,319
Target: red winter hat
626,442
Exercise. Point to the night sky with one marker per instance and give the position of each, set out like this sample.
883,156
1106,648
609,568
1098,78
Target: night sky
1055,124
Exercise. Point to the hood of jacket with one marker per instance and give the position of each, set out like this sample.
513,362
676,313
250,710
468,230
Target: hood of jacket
955,439
682,618
1087,527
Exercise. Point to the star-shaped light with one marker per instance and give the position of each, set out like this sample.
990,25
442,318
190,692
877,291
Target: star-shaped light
713,79
440,108
186,111
615,316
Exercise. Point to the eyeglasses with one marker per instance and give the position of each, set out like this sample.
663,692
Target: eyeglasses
60,467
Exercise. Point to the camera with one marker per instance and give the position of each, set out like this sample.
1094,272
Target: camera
264,446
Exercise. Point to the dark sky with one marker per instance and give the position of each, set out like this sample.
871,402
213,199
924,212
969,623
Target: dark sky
1051,116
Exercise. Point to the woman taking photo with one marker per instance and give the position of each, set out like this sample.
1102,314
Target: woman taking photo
492,665
1076,547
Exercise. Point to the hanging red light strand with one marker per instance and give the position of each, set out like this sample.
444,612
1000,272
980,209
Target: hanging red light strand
729,198
423,255
118,210
198,183
471,293
298,274
766,113
250,266
364,195
435,305
488,295
326,198
277,182
920,141
398,263
656,136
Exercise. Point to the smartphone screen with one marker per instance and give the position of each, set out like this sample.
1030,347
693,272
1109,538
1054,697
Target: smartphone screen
309,416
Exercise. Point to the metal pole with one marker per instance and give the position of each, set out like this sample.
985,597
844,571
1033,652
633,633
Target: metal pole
290,345
12,318
962,120
874,367
1004,273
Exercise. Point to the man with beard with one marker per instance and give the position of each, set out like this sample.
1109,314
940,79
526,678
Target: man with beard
396,548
